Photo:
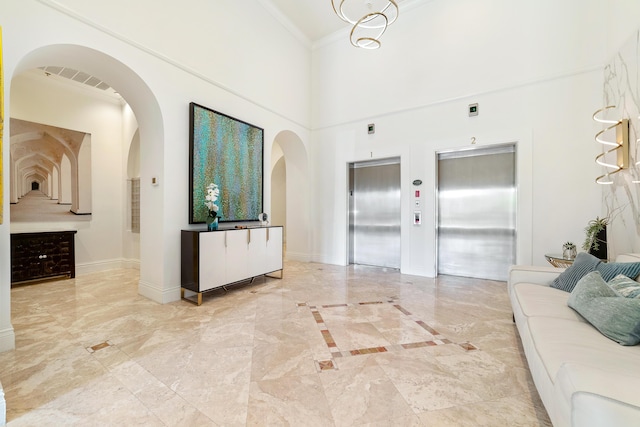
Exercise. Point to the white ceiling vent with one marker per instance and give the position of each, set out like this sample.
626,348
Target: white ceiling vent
75,75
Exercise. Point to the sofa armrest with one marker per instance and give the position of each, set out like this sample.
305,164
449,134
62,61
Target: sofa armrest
532,274
599,398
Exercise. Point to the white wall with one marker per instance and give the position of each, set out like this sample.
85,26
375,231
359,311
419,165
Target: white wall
622,18
237,44
279,195
535,68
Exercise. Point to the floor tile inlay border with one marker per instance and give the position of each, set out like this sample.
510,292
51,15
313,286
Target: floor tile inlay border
323,365
100,346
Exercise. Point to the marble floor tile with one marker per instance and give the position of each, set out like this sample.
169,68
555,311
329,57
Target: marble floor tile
325,345
424,383
360,396
289,401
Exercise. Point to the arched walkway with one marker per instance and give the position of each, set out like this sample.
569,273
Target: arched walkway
289,146
149,117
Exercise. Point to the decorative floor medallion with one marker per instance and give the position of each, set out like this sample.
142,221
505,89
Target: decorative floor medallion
435,338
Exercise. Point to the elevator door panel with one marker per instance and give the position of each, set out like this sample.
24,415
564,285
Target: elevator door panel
477,212
374,216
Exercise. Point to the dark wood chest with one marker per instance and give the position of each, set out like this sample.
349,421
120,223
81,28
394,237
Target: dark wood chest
36,256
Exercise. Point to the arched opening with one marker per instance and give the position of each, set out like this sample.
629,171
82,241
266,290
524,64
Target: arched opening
278,189
289,192
131,242
147,113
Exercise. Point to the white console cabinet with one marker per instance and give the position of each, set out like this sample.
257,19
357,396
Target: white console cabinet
213,259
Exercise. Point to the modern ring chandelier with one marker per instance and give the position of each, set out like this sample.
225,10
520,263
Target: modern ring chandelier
370,19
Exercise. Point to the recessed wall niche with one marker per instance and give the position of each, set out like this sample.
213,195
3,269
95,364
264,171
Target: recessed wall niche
50,173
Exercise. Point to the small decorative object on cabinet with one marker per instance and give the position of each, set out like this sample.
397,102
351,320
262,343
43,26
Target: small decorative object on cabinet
264,219
213,260
569,250
37,256
213,192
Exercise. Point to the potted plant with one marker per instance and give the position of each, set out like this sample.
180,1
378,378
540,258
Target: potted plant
595,241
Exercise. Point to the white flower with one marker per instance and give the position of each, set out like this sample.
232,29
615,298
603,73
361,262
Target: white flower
212,196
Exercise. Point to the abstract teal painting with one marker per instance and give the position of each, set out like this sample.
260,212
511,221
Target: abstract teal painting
229,153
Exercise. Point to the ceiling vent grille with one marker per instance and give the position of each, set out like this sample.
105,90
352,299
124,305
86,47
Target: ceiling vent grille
75,75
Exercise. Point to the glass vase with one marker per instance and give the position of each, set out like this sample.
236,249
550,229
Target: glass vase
212,223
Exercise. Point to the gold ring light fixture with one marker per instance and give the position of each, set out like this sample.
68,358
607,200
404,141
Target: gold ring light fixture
618,147
370,19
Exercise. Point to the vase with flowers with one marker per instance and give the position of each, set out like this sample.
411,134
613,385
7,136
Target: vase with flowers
213,192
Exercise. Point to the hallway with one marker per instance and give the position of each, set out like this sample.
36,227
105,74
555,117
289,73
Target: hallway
35,206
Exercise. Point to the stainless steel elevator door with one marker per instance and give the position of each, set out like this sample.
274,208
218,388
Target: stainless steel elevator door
477,212
374,213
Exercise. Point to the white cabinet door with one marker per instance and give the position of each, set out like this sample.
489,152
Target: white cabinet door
237,255
274,250
257,251
212,261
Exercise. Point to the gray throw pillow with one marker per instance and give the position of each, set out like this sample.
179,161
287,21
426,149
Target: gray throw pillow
616,317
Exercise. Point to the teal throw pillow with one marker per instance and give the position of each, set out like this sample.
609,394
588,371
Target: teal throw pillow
612,269
624,286
616,317
582,265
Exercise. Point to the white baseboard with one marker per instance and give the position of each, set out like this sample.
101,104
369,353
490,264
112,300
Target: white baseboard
110,264
327,259
7,339
162,296
297,256
131,263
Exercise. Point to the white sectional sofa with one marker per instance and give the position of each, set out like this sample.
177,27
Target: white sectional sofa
584,378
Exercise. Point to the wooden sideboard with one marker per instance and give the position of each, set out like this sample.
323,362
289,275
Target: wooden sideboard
42,255
215,259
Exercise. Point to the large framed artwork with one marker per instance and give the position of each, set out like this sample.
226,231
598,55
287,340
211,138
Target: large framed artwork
229,153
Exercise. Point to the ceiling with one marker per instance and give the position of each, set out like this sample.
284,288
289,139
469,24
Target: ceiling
315,19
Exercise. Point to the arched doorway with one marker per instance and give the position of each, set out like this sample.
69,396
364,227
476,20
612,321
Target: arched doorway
150,122
279,190
289,192
131,244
